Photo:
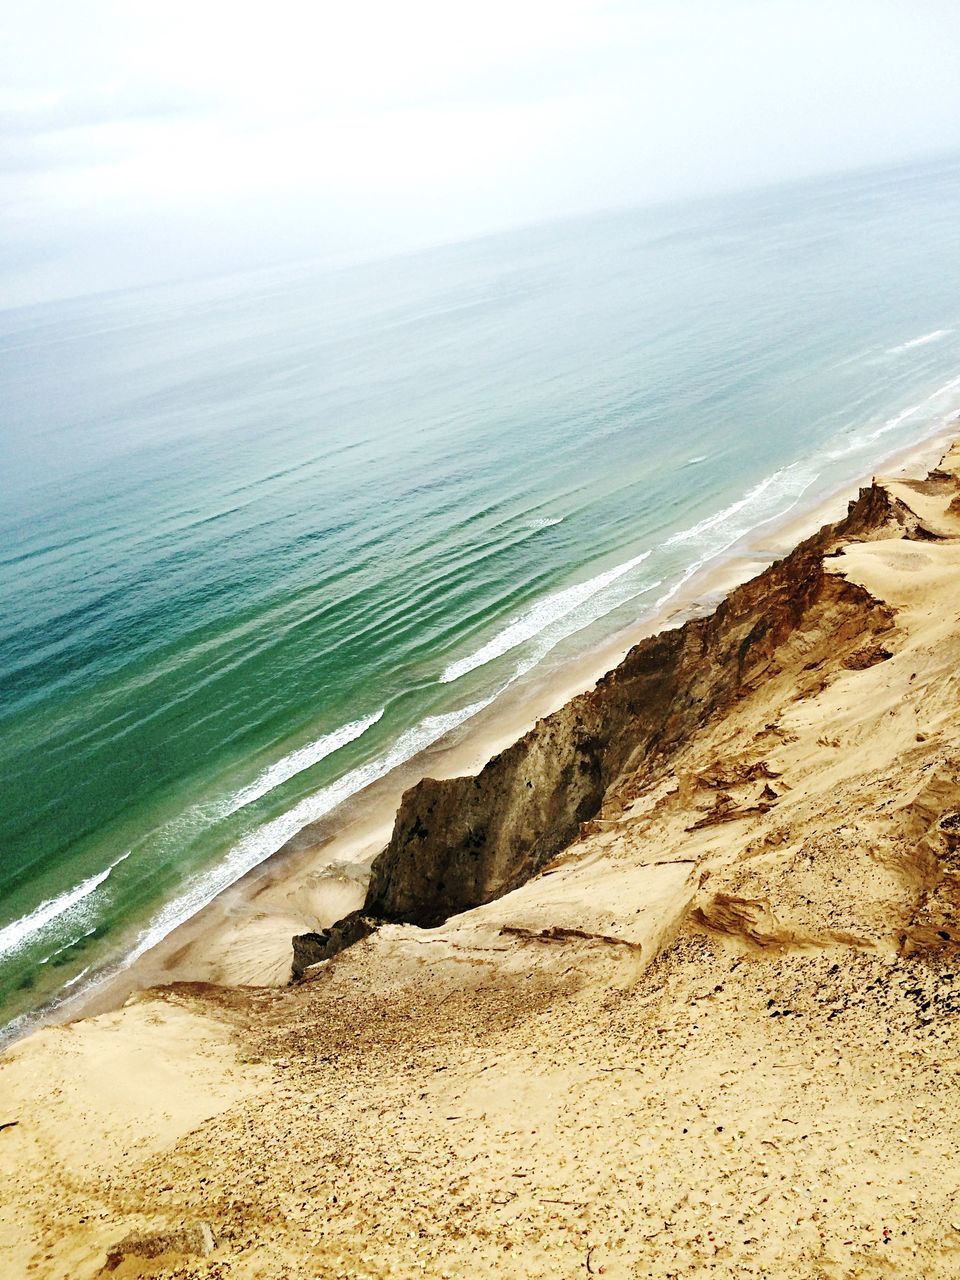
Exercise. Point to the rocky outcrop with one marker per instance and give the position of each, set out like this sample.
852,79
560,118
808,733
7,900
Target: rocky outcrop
461,842
311,948
875,512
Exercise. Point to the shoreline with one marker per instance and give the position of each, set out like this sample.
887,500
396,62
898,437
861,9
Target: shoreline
714,1033
242,937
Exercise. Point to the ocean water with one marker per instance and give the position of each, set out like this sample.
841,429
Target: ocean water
263,538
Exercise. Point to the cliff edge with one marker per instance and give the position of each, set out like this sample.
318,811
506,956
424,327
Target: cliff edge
716,1033
461,842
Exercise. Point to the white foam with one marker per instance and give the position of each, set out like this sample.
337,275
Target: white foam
73,981
864,438
549,639
765,501
696,460
88,933
922,341
788,481
685,577
719,532
297,761
528,625
561,615
543,522
13,936
266,840
251,850
185,825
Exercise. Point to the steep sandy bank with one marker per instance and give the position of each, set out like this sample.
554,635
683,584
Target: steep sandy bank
243,936
715,1035
460,842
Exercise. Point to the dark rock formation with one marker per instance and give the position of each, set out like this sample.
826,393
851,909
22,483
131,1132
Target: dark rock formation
308,949
311,948
461,842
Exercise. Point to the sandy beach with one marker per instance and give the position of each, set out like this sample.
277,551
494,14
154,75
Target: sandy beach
715,1035
243,935
480,642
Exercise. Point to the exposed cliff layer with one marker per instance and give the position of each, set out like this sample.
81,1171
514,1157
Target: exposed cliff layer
461,842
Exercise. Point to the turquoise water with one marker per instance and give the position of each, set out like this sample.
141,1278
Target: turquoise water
264,537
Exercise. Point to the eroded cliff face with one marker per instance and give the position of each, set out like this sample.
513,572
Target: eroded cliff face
733,1001
461,842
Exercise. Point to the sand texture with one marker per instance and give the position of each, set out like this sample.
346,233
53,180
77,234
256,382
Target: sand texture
715,1035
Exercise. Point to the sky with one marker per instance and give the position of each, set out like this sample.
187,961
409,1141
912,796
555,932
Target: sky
144,140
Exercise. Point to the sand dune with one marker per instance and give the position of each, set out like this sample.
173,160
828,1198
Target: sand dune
715,1035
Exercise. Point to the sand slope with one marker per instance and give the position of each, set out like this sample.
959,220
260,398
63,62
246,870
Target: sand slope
716,1036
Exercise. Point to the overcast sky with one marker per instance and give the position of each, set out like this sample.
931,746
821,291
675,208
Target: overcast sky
151,139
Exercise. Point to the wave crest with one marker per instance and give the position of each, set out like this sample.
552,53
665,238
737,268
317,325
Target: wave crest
267,839
299,760
528,625
14,935
922,341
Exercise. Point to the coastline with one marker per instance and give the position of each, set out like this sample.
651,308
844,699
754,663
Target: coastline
716,1032
242,937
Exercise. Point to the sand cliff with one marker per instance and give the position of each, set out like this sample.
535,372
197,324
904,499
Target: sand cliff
461,842
702,1021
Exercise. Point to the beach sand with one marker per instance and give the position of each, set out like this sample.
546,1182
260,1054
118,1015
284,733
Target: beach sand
717,1035
243,936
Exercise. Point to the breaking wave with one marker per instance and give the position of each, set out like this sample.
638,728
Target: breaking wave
526,626
297,761
14,935
922,341
252,849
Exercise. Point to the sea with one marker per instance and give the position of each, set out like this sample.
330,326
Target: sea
264,538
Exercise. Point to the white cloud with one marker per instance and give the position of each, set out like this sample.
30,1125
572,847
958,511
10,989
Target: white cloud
322,128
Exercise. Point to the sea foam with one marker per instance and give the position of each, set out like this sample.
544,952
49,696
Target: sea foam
771,499
862,439
252,849
14,935
922,341
543,522
297,761
529,624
